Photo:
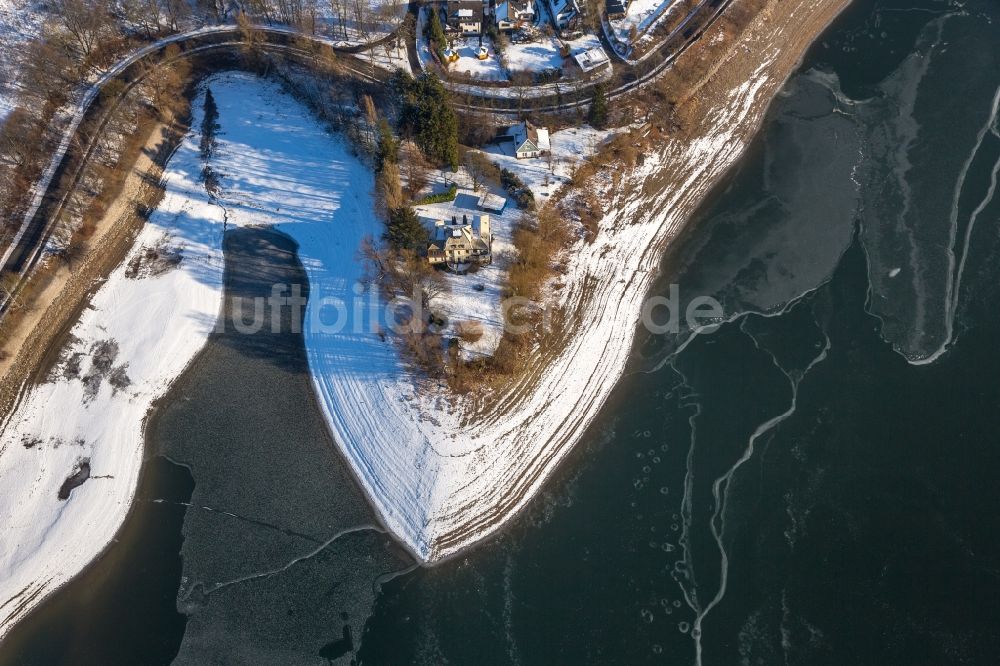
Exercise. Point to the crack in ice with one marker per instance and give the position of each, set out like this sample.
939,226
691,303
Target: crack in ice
720,488
955,268
301,558
253,521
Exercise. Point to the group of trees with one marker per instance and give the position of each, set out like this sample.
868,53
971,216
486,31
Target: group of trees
427,116
435,32
403,230
363,18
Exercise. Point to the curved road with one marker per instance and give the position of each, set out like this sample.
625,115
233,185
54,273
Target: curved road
24,250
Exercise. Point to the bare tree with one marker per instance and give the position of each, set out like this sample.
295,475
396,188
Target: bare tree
145,14
252,38
177,12
339,9
477,165
46,72
15,152
85,24
415,168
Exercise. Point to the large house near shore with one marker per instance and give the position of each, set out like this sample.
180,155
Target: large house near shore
463,16
457,243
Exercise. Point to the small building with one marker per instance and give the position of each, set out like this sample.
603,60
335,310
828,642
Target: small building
512,14
591,59
492,202
465,16
529,141
457,243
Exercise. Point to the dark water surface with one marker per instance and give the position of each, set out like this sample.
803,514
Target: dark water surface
797,487
130,591
281,551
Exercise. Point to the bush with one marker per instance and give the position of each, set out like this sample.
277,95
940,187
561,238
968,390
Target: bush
469,331
509,180
441,197
523,196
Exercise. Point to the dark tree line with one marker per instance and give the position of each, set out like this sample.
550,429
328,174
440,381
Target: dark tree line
427,116
209,126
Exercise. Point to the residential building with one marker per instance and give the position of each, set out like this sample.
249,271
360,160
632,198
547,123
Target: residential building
464,16
529,141
616,9
511,14
591,59
455,242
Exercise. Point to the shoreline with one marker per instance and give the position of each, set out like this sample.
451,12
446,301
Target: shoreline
545,462
783,65
41,560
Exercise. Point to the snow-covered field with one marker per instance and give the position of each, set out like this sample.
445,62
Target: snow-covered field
570,147
537,56
468,63
279,167
388,58
440,476
145,330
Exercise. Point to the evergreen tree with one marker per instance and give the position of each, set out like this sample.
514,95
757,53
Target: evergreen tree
435,33
598,116
405,231
209,125
428,116
388,146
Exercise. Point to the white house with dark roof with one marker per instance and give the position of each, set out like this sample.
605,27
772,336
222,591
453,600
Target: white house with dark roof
529,141
465,16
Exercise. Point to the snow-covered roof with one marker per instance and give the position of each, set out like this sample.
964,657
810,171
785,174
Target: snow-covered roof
529,139
543,138
591,58
492,202
510,9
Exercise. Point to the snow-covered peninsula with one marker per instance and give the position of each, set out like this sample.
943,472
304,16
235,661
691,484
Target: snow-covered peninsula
441,474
